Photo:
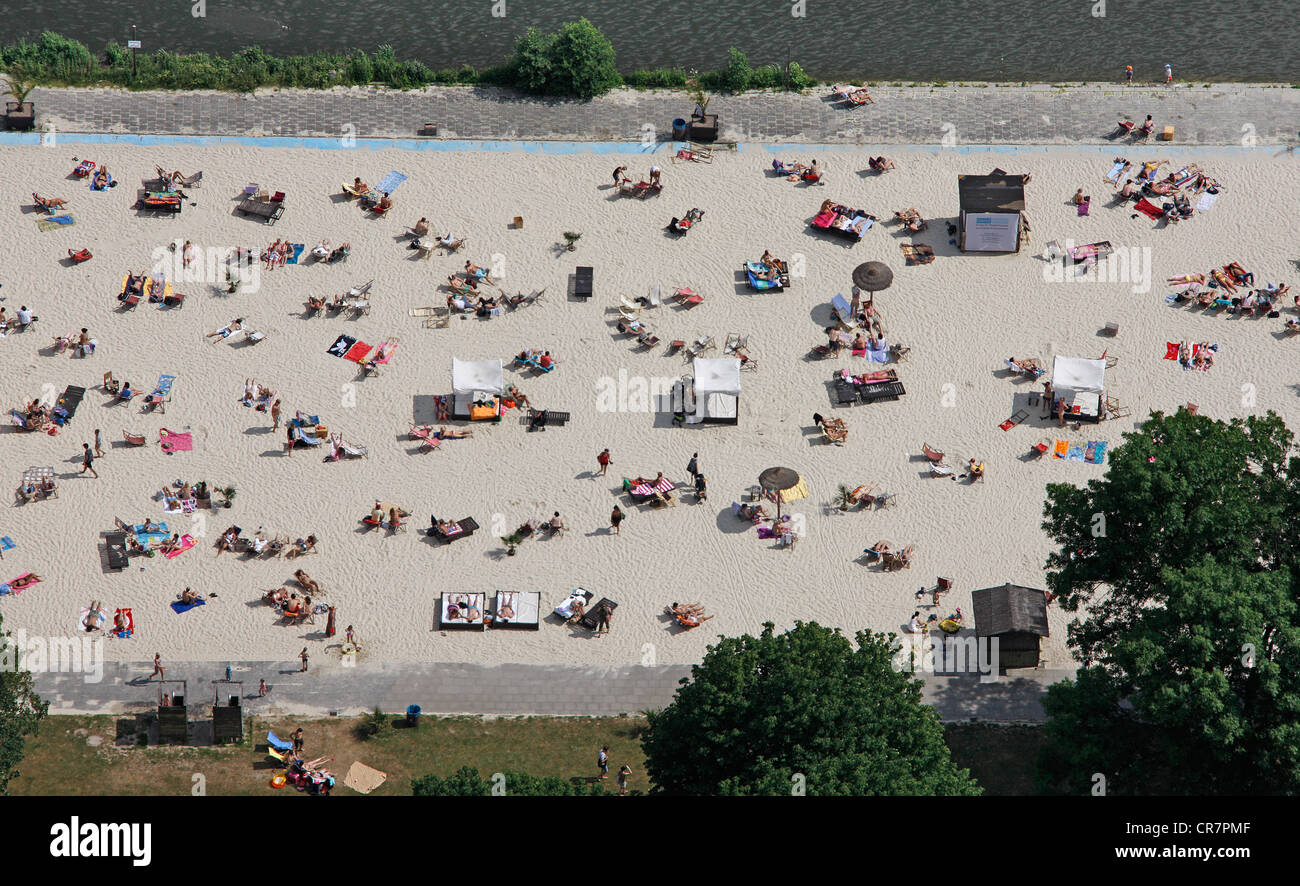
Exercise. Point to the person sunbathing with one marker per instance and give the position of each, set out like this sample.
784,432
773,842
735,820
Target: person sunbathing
232,327
1204,356
753,512
813,173
473,271
50,202
276,596
910,219
1224,280
228,540
1187,278
507,607
120,625
322,249
451,241
394,520
188,597
556,524
359,187
172,544
1129,190
881,164
385,203
92,619
134,284
1029,366
301,546
444,434
1147,127
126,393
692,621
306,582
463,607
47,487
102,178
518,396
315,304
1240,274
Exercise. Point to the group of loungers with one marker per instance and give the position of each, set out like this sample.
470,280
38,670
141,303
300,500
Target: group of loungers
839,219
509,609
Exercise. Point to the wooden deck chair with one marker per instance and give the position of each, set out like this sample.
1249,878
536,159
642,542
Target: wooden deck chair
700,345
111,384
688,298
432,317
933,456
629,308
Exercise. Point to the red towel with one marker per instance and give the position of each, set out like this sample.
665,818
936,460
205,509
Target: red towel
1171,350
1149,209
357,352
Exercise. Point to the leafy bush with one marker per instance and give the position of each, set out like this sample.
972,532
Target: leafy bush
577,60
737,75
466,782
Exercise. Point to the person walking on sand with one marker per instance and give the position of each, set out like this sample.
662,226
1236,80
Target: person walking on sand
603,460
88,461
623,772
615,518
99,445
693,466
1128,75
275,415
602,763
303,657
158,670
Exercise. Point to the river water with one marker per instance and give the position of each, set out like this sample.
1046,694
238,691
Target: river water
913,40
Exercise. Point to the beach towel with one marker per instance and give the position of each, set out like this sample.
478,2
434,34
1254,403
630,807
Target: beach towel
297,251
1096,452
164,386
6,544
363,779
860,352
54,222
301,436
1206,201
1083,207
1060,449
1171,350
103,187
823,220
840,305
278,743
178,607
390,182
25,580
174,442
187,542
341,345
388,347
130,624
143,537
1113,175
97,618
357,352
880,354
1147,208
766,532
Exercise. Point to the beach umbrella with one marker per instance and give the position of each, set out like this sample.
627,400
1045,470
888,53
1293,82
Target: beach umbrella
872,276
785,483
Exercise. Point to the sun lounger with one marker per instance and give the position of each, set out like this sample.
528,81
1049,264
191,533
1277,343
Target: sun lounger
687,298
269,210
590,619
539,419
426,437
517,609
582,282
462,528
700,345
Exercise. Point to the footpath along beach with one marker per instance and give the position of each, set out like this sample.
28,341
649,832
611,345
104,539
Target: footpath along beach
958,319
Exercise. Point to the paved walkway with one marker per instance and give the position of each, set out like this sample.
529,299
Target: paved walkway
459,688
920,115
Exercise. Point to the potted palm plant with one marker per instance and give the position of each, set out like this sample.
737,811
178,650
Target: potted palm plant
228,494
843,498
571,240
19,113
511,542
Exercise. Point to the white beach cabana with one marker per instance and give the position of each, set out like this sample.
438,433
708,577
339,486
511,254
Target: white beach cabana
1081,383
476,381
717,390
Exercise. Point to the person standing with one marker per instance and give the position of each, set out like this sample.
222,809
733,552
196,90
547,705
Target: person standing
701,487
693,466
329,624
623,772
261,688
604,461
1169,75
88,461
303,657
158,670
297,740
1128,75
602,763
99,444
615,518
275,415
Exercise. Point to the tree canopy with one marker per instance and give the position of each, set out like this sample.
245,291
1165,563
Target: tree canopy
1182,562
21,709
576,60
804,709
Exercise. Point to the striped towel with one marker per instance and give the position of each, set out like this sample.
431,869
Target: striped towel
1206,201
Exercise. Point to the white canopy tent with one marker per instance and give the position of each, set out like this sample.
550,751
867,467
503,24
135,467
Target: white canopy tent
717,389
1080,383
475,381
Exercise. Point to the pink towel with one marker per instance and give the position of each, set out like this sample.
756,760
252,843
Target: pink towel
388,348
859,352
174,442
187,542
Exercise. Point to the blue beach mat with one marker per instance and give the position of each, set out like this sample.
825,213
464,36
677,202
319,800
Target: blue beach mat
143,537
390,182
178,607
297,251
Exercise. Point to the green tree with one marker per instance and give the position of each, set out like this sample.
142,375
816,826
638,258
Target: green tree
1182,560
760,711
577,60
466,782
738,74
21,709
531,62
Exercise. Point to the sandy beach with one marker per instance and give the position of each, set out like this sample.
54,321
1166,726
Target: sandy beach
962,316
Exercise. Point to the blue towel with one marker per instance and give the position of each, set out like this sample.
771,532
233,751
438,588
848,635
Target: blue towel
164,386
842,308
277,742
178,607
143,537
1098,452
390,182
7,544
297,251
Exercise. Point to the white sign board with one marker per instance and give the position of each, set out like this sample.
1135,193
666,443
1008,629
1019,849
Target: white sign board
992,231
133,44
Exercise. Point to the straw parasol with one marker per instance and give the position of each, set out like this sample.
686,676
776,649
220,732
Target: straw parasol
785,482
872,276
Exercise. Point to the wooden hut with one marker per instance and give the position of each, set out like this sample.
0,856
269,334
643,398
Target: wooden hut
991,212
1017,617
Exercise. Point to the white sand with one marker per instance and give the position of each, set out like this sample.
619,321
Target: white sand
962,316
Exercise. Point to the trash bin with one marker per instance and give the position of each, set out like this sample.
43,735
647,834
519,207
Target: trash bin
413,716
679,129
